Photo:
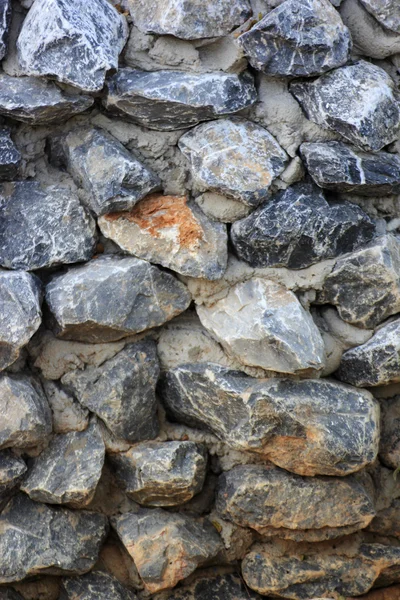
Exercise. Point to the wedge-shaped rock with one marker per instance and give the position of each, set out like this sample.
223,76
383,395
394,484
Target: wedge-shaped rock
5,22
234,157
161,473
113,177
20,314
68,470
309,427
112,297
298,38
169,100
121,391
262,324
37,101
12,469
172,232
35,538
25,413
365,285
298,228
217,587
166,547
389,444
359,101
10,158
387,12
96,586
73,41
341,167
43,227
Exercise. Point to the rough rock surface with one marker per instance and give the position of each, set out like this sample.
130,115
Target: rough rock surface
217,587
112,297
166,547
43,227
262,324
298,227
234,157
161,473
5,22
359,101
68,414
308,427
96,586
298,38
35,538
12,469
172,232
74,41
168,100
10,158
389,446
387,12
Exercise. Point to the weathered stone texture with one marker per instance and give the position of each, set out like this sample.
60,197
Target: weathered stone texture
96,586
389,445
12,470
387,12
5,22
10,157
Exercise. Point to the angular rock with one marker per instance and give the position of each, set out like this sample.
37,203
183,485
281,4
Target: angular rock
35,538
73,41
5,22
298,228
309,427
389,444
166,547
121,391
359,101
10,158
298,38
20,315
387,12
114,178
96,586
25,413
37,101
68,470
234,157
110,298
161,473
344,168
217,587
262,324
43,227
12,469
172,232
169,100
68,415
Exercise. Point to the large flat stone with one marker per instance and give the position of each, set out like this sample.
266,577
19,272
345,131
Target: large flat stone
387,12
12,470
10,157
96,586
5,22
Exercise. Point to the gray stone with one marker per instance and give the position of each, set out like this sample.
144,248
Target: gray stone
121,391
5,22
110,298
262,324
234,157
20,315
189,20
10,158
72,40
389,444
168,100
37,101
298,228
68,470
359,101
35,538
166,547
68,414
25,413
309,427
387,12
43,227
173,232
344,168
298,38
161,473
12,470
215,587
96,586
10,594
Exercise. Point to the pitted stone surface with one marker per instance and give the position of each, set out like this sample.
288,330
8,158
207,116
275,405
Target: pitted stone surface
217,587
10,157
234,157
5,22
96,586
12,470
387,12
168,100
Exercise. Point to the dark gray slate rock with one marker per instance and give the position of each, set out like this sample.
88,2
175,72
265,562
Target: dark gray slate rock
298,228
25,413
12,469
359,101
96,586
219,587
161,473
166,547
298,38
35,538
341,167
10,158
189,20
110,298
69,469
387,12
20,314
309,427
43,227
114,178
121,391
37,101
389,444
168,100
72,40
10,594
234,157
5,22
